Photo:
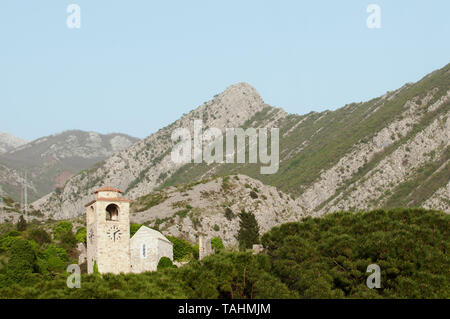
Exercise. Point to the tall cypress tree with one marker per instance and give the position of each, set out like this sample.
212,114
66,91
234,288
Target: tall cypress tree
248,233
21,224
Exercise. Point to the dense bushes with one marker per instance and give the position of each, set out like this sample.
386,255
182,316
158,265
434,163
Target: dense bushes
182,250
22,262
232,275
40,236
217,244
62,228
328,257
165,262
316,258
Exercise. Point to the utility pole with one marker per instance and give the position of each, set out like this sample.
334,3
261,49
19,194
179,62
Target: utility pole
21,194
26,198
1,198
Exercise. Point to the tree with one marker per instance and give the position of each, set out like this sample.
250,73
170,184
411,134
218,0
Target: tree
67,240
165,262
40,236
21,224
134,228
61,228
81,235
22,262
229,213
181,248
248,233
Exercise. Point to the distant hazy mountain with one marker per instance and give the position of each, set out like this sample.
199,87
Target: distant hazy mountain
9,142
390,151
50,161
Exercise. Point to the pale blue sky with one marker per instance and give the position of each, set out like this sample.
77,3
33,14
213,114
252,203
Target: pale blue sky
136,66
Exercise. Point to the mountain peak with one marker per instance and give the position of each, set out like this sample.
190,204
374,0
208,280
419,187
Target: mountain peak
9,142
239,89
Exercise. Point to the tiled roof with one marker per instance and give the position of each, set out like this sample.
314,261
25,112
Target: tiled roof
108,189
116,199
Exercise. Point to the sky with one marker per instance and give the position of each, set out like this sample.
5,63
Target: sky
136,66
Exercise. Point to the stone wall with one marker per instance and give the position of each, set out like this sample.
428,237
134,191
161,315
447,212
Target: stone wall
146,258
204,247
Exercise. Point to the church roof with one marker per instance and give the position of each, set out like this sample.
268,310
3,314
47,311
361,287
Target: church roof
116,199
108,189
151,233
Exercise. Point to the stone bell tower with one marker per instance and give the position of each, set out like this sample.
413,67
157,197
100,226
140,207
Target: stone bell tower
108,232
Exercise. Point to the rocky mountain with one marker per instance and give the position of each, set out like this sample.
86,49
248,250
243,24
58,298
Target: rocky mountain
390,151
211,207
50,161
9,142
144,166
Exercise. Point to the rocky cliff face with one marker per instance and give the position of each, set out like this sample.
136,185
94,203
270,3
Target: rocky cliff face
50,161
9,142
145,165
390,151
211,207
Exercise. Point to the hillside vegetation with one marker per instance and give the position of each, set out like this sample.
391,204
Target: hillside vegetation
323,257
389,151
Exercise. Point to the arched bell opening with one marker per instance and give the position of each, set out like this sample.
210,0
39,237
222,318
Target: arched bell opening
112,212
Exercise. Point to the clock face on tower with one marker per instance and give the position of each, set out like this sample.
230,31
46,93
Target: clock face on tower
114,233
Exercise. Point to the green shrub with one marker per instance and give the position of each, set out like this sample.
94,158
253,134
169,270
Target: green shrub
195,251
134,228
80,235
53,260
7,241
181,248
95,269
40,236
67,240
216,227
165,262
22,261
61,228
253,195
217,244
229,213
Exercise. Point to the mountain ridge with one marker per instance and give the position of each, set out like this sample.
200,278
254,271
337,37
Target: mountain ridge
324,156
49,161
9,142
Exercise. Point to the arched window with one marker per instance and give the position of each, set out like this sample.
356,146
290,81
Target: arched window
143,251
112,212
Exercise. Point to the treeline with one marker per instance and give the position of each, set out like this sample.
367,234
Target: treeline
316,258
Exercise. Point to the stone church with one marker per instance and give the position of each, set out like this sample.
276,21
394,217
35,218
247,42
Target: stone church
109,245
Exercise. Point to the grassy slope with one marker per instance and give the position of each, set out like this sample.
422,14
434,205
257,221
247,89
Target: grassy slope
329,136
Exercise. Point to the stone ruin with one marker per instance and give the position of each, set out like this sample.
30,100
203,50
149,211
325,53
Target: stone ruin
204,247
257,249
